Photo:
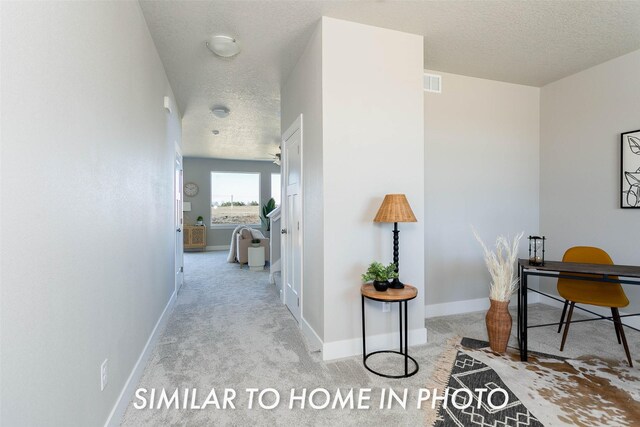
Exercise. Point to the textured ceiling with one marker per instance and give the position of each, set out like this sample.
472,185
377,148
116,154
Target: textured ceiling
526,42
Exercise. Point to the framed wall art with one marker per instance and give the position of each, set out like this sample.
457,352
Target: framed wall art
630,170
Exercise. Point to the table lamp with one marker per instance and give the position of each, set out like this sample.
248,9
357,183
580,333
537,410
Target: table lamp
395,208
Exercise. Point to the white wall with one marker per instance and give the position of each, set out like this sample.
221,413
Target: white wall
302,94
199,170
360,91
373,145
481,168
87,206
582,117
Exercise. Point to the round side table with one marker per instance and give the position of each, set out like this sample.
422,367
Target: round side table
401,296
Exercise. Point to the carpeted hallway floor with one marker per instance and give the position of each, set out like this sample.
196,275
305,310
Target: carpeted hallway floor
229,330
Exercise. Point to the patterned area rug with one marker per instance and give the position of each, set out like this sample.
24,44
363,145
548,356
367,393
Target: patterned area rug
547,390
469,373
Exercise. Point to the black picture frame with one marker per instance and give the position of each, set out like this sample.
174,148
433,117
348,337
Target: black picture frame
630,170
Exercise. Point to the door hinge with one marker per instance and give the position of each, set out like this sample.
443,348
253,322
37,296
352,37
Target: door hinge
298,301
298,225
181,269
298,149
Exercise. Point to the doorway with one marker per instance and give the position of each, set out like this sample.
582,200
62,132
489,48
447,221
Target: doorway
292,217
178,222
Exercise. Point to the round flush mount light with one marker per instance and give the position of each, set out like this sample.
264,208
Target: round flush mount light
220,112
223,46
215,132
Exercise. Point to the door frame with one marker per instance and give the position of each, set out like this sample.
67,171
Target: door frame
178,220
295,126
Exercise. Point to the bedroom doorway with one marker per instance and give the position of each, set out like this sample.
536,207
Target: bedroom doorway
179,222
292,217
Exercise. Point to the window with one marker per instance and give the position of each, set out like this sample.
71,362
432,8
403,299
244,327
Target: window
235,198
275,187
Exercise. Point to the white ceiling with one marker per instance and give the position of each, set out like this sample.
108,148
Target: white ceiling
531,43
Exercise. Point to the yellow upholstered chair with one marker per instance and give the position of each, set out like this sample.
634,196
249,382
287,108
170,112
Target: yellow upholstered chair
593,293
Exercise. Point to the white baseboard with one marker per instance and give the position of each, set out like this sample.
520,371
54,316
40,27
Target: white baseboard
276,266
353,347
273,269
117,413
468,306
217,248
313,340
631,321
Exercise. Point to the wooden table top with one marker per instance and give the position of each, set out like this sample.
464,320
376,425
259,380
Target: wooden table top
575,267
390,295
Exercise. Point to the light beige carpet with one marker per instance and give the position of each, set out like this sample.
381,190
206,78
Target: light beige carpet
229,329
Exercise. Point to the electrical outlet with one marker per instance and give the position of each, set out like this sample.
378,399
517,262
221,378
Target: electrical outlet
104,374
386,307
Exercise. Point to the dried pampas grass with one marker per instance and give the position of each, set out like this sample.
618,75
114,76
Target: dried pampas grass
501,265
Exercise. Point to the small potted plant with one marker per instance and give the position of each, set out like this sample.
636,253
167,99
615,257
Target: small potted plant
255,242
200,221
380,275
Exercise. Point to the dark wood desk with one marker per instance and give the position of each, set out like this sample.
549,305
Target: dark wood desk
625,274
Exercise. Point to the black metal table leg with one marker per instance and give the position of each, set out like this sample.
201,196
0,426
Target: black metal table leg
406,339
364,335
400,323
519,329
523,345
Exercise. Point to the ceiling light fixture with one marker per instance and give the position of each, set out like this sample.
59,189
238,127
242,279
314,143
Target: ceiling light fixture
223,46
215,132
220,112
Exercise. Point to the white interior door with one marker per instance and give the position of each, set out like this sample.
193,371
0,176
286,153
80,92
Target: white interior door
292,219
179,219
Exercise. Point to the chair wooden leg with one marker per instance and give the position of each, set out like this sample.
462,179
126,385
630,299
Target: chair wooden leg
566,328
616,317
564,311
615,325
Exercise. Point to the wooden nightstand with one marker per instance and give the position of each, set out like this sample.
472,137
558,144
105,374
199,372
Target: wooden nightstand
195,237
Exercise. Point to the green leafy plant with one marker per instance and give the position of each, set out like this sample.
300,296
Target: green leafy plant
379,272
200,218
266,210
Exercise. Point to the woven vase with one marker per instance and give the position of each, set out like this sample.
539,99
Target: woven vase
498,325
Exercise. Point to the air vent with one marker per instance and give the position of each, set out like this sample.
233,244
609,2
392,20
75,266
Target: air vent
432,83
